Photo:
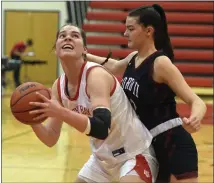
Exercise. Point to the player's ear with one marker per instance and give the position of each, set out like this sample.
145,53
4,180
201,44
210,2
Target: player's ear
85,50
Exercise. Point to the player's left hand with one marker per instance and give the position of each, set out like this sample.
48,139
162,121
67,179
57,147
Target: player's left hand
47,108
191,124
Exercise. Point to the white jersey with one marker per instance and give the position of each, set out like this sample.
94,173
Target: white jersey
127,137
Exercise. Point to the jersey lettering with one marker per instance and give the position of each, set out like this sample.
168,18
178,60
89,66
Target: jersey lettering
130,84
82,110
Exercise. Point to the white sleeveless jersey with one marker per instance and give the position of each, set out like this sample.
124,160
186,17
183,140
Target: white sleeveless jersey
127,135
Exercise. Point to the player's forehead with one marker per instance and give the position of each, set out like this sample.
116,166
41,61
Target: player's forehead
70,28
131,21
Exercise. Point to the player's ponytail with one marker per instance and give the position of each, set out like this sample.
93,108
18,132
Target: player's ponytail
162,39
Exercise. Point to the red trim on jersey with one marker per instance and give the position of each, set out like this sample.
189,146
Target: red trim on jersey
59,90
87,72
143,169
114,87
80,77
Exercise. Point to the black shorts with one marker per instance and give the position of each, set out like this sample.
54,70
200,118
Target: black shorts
177,154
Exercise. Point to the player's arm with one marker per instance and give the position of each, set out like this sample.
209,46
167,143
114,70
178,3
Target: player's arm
168,73
99,84
98,87
49,132
114,66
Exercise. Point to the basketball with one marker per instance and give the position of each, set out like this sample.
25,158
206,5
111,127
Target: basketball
19,102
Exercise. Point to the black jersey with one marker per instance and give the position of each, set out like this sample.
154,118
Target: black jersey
154,103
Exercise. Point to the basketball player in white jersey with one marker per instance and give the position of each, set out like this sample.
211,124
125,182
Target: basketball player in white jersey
91,100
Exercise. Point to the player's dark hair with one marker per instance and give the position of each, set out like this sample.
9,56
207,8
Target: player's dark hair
155,16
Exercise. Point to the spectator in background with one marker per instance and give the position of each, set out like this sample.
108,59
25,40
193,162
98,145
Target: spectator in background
16,53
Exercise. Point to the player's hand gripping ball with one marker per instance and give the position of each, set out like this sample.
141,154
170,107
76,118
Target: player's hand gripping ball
22,96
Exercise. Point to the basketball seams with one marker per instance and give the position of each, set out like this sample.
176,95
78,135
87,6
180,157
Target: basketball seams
28,94
19,102
17,112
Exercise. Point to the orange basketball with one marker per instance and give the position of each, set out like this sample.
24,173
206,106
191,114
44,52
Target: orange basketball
19,102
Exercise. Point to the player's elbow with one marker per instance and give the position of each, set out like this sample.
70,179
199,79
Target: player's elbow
103,136
103,132
100,123
50,143
100,134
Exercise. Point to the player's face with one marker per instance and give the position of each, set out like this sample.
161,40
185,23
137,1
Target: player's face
135,33
70,43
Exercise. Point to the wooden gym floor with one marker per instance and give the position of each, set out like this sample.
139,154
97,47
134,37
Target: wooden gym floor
26,159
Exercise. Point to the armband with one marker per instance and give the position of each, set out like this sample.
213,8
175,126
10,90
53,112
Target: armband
100,123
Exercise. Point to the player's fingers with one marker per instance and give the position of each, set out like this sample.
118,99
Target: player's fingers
193,119
197,126
42,116
45,99
188,128
50,90
39,104
185,120
38,111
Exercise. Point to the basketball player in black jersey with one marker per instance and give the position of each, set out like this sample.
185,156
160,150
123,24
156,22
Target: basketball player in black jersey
151,81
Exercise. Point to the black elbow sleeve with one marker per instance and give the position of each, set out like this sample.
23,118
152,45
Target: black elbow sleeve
100,123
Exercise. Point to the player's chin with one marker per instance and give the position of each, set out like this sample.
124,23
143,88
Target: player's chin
130,45
67,54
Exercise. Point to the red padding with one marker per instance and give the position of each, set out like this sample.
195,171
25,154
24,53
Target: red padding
199,81
184,6
174,17
195,68
191,55
193,42
172,28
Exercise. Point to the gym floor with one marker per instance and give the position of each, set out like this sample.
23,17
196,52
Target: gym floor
26,159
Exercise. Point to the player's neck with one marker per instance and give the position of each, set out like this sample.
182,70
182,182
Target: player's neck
145,51
72,70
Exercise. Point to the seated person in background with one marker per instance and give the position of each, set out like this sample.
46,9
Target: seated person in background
16,53
4,61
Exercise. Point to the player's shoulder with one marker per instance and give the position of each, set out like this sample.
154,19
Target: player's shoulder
97,71
99,74
130,56
55,84
132,53
55,90
162,61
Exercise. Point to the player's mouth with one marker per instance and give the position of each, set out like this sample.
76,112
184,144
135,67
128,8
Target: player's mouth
68,47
